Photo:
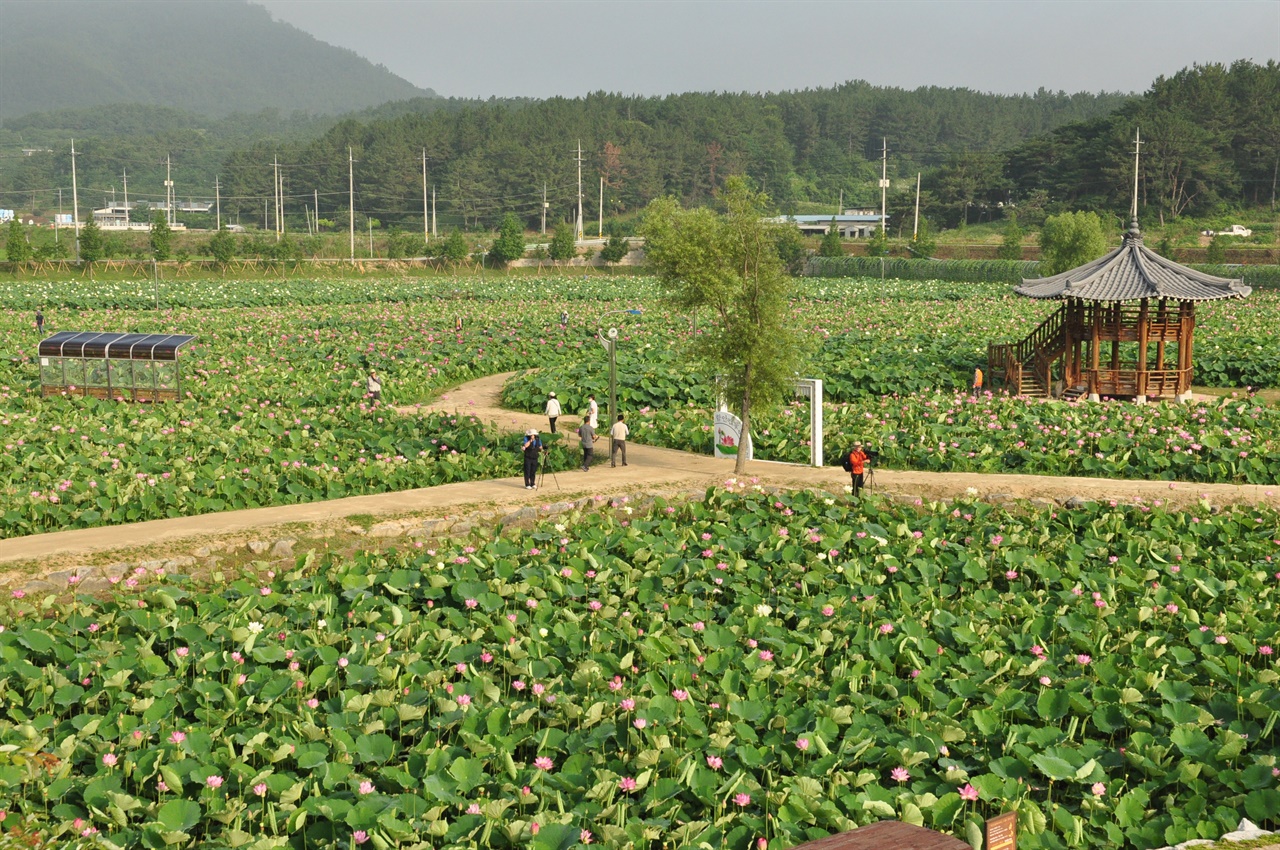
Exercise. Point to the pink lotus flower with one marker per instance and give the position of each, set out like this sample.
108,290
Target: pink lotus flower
680,695
585,836
802,744
766,655
214,781
1083,659
899,774
640,723
260,789
543,763
715,762
109,759
1098,789
969,793
742,799
627,783
359,836
177,737
366,787
886,628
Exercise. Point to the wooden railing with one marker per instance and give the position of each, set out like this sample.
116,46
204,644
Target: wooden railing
1038,351
1128,381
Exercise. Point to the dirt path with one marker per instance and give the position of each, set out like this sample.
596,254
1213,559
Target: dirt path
650,470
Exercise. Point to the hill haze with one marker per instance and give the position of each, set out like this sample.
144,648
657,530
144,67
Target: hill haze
211,58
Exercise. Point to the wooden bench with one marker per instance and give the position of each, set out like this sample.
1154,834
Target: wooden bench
886,835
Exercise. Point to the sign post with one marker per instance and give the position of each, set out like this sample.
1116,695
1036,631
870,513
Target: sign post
811,388
1002,832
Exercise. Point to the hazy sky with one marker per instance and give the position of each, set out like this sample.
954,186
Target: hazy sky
541,48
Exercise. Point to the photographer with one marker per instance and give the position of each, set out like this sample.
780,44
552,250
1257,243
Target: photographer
855,463
532,448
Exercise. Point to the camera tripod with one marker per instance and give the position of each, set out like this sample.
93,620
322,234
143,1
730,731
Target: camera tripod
542,469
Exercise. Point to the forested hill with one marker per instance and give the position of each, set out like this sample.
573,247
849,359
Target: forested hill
208,58
805,146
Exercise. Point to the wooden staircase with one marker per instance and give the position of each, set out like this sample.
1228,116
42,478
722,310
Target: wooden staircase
1026,367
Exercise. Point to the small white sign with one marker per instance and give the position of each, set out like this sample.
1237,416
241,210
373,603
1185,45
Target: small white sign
729,441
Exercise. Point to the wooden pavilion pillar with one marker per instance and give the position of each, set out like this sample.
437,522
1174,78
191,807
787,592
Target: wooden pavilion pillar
1162,317
1095,345
1144,334
1116,330
1068,334
1186,333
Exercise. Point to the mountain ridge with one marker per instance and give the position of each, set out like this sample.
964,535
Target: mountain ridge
211,59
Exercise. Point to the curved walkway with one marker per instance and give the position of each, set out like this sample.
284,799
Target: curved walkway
650,469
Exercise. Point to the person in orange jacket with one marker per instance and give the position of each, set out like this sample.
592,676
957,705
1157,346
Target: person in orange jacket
856,465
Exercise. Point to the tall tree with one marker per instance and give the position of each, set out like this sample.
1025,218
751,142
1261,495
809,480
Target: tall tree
729,263
93,246
830,246
16,247
1011,247
1070,240
161,237
510,242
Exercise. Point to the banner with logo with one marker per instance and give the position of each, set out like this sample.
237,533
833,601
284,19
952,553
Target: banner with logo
729,440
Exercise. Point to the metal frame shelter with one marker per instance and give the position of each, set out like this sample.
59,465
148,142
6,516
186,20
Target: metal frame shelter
121,366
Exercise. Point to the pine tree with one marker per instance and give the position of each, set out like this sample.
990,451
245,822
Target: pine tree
92,244
831,246
161,237
1011,247
16,246
510,242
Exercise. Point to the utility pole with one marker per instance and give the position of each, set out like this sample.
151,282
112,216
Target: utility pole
840,206
544,208
370,221
275,191
434,234
351,202
125,176
280,220
426,235
168,192
317,209
884,181
57,222
75,199
915,228
217,194
579,189
600,223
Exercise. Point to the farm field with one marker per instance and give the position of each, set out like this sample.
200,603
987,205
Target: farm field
276,413
750,665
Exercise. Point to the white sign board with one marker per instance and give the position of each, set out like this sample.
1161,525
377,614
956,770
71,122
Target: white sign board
811,388
729,440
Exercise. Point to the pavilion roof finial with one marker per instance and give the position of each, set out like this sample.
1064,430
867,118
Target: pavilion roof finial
1134,230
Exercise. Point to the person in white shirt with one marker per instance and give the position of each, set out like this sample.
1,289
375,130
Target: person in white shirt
619,432
593,410
553,410
374,386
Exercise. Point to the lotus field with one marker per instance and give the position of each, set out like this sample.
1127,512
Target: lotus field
698,675
749,666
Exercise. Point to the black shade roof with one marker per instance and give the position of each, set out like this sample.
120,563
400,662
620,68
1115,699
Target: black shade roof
114,346
1133,272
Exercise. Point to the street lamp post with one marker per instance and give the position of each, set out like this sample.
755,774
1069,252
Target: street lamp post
609,339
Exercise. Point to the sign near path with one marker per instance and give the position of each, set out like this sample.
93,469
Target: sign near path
1002,832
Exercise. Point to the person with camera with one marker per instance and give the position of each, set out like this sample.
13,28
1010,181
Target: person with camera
855,463
532,447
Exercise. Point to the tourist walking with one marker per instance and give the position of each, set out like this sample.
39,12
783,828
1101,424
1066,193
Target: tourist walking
588,435
618,433
593,410
532,448
977,381
39,322
553,410
374,386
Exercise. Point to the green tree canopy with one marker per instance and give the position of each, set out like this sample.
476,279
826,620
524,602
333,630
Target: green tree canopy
563,244
510,242
16,247
831,246
92,245
161,238
453,249
729,262
878,244
1070,240
223,246
615,249
1011,247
